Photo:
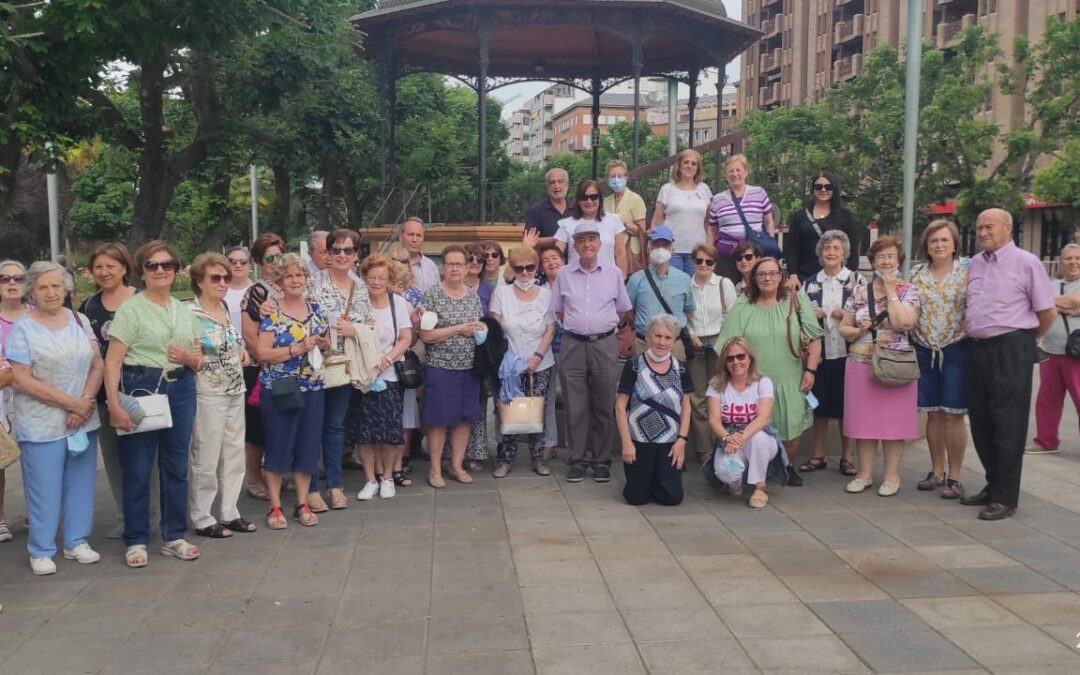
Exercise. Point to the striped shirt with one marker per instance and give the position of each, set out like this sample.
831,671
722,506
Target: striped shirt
722,213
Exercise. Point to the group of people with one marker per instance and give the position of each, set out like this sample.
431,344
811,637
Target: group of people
732,349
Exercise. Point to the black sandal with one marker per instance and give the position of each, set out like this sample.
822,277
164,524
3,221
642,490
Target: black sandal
813,464
847,467
215,531
401,479
241,525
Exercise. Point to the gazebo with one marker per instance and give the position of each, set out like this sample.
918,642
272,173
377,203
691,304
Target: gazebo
591,45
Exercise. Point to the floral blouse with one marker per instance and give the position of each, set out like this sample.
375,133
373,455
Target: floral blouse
323,292
287,331
221,345
857,303
829,293
941,317
457,351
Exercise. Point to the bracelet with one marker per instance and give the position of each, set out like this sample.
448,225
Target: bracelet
810,370
538,355
682,437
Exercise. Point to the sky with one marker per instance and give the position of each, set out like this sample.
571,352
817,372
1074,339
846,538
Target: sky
514,95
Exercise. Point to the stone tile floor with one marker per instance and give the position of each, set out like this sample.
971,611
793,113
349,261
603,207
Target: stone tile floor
531,575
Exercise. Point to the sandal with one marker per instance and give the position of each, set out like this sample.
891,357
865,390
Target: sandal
241,525
401,479
215,531
316,503
179,548
135,556
274,518
760,498
259,492
462,477
847,467
813,464
338,500
303,515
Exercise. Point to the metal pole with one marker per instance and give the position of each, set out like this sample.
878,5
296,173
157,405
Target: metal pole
638,64
254,177
721,80
595,137
691,105
672,116
52,188
911,120
481,95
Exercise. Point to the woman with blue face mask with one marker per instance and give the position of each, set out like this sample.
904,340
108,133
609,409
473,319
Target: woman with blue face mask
630,209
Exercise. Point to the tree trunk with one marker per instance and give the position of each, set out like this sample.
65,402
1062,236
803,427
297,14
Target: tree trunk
283,190
219,207
353,209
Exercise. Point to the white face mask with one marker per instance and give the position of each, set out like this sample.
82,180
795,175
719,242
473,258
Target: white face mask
525,285
656,358
660,256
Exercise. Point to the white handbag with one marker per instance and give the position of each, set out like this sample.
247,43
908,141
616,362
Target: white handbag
156,414
522,415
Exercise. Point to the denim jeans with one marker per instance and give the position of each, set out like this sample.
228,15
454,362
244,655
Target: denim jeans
170,446
684,262
336,404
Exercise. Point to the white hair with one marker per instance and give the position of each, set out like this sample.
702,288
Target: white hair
662,319
837,235
43,267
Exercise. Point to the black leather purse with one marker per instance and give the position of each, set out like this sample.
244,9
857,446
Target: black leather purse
410,372
1072,337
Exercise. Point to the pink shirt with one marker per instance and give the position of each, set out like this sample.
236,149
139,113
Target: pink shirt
590,300
1005,290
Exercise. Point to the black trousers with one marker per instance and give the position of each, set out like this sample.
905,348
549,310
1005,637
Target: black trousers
999,402
651,476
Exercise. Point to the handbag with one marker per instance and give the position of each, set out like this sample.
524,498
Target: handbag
1072,341
9,449
804,339
409,370
156,413
889,366
286,394
522,414
760,238
684,334
337,368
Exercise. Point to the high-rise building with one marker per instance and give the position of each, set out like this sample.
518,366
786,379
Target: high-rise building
531,127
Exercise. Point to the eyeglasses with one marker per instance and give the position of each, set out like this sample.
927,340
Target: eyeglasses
218,278
271,257
403,261
492,255
704,261
475,259
747,257
590,197
336,250
768,274
520,269
451,265
732,358
12,278
823,187
238,261
164,265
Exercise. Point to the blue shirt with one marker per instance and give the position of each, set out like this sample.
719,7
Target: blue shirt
675,286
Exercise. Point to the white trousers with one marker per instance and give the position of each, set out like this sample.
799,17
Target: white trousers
756,453
216,469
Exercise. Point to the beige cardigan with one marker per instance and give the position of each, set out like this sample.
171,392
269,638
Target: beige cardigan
364,356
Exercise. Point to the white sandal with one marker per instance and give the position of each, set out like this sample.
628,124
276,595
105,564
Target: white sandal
135,556
180,548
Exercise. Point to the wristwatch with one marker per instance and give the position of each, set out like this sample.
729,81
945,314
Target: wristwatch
810,370
683,438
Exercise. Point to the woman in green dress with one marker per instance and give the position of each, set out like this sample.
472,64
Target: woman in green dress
771,320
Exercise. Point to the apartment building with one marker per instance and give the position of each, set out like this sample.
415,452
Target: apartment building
704,117
531,127
573,124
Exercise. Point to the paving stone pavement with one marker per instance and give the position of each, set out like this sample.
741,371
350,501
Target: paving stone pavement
532,575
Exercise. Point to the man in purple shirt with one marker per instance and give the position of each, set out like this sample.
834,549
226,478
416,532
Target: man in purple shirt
591,301
1009,306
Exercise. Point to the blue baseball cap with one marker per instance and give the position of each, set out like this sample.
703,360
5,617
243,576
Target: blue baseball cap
662,232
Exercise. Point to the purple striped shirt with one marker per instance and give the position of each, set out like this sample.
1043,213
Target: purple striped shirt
590,300
722,212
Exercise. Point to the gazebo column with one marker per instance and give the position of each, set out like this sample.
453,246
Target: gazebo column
721,79
387,86
595,126
691,103
481,95
636,66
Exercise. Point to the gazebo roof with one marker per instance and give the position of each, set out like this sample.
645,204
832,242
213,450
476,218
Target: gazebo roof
554,39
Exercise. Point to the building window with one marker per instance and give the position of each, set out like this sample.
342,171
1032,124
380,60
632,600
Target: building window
587,119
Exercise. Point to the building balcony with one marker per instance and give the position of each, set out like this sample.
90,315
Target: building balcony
949,32
845,3
846,31
769,94
847,68
771,61
770,3
772,27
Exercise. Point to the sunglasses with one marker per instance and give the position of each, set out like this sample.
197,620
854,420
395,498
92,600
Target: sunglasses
336,250
704,261
164,265
823,187
403,261
218,278
271,257
493,256
238,261
746,257
520,269
475,259
591,197
12,278
732,358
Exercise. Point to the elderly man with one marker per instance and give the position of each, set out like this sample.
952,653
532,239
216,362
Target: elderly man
542,218
588,297
424,268
1009,306
660,289
319,257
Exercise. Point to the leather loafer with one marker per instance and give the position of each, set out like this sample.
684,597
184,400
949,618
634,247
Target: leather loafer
980,498
996,511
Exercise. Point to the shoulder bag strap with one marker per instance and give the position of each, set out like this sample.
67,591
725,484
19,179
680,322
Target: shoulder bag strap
723,302
813,222
793,308
1065,318
393,315
871,308
656,290
738,208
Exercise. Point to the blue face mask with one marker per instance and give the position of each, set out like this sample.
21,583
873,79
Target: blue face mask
617,184
378,385
480,336
77,443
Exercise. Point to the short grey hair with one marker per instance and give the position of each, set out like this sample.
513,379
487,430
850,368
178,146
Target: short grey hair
315,235
13,263
43,267
557,170
662,319
1066,247
834,235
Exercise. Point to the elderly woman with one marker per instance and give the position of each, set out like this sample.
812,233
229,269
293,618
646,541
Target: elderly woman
829,290
713,297
1059,373
683,204
12,306
266,251
292,399
942,349
523,310
152,350
872,411
111,267
57,369
824,211
375,416
494,262
734,210
630,208
652,415
239,259
588,208
775,321
745,254
217,439
740,410
451,389
344,300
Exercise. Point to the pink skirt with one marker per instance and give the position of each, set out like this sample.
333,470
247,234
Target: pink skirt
876,412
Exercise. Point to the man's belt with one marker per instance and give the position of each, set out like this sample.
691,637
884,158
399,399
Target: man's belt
591,338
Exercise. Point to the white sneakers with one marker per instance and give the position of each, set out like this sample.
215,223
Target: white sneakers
83,554
42,566
368,492
387,489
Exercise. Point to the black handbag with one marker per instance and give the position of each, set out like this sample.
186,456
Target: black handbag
286,393
684,334
1072,337
409,370
761,239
